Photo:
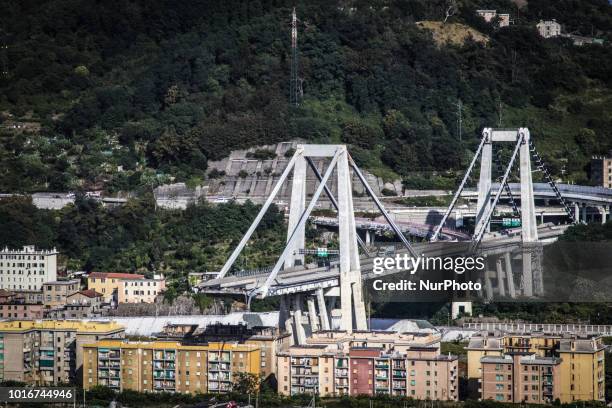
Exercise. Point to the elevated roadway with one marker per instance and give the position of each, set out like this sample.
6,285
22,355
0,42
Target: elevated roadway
308,278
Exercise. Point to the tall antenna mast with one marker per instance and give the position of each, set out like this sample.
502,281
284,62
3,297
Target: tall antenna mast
295,85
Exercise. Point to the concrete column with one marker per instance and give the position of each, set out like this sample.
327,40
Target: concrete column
368,237
296,208
577,212
351,298
484,183
488,287
527,274
603,214
501,287
583,215
509,275
312,314
283,314
322,310
298,329
528,216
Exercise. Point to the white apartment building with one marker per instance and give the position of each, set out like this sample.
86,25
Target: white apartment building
141,290
27,269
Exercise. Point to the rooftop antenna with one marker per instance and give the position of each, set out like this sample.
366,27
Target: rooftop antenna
295,91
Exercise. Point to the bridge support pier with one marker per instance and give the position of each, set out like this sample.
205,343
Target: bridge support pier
298,330
323,314
484,183
312,314
488,284
509,275
283,314
501,287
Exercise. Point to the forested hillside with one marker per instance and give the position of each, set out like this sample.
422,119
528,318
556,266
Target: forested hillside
136,93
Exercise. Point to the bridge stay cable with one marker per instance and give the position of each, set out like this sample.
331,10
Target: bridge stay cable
263,290
542,167
451,206
481,227
230,261
382,209
507,189
334,201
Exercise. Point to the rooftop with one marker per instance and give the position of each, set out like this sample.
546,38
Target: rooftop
79,326
63,282
116,275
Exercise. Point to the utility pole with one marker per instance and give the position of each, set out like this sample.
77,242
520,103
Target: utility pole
459,118
500,111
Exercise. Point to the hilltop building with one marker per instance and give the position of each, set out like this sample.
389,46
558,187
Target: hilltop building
27,269
601,170
490,15
576,363
167,366
48,352
549,28
126,287
335,363
141,290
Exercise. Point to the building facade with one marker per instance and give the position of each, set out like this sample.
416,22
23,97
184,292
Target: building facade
167,366
18,310
141,290
581,366
108,283
490,15
369,363
48,352
56,292
549,28
521,377
601,171
27,269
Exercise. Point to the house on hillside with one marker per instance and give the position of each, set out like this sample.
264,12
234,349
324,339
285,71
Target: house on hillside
490,15
549,28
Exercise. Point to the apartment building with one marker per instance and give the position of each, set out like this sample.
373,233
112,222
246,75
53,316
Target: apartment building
48,352
141,290
167,366
583,368
601,170
108,283
520,377
266,338
79,305
370,363
581,359
18,310
56,292
27,268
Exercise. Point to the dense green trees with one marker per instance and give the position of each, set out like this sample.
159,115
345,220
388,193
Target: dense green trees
131,93
139,237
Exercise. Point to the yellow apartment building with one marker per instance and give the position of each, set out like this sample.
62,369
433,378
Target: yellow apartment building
48,352
158,366
108,283
581,369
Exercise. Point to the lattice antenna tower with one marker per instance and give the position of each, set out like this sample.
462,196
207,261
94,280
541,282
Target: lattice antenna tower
295,92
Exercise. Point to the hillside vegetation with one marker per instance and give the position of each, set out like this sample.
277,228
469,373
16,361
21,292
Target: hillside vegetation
132,94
